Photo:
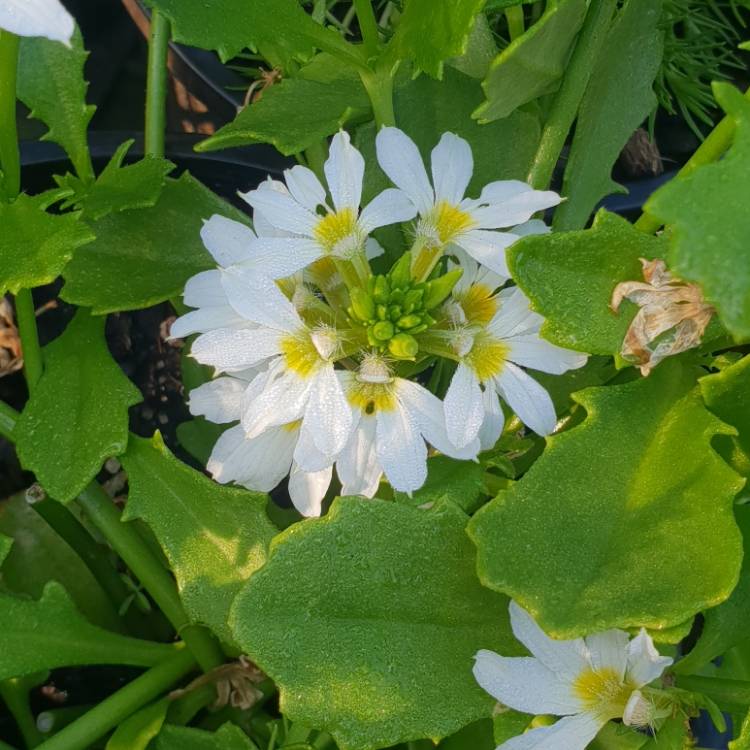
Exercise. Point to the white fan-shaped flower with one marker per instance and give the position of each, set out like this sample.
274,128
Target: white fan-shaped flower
47,18
447,219
587,681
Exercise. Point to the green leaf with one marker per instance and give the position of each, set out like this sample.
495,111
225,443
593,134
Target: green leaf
532,64
228,737
137,731
117,188
51,633
618,737
618,98
742,741
648,539
6,543
674,734
39,555
480,50
51,85
214,537
476,736
569,278
144,256
198,437
77,416
509,723
708,209
449,480
298,112
35,245
368,619
429,33
279,29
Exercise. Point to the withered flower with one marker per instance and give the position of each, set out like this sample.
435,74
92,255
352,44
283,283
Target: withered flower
11,356
672,318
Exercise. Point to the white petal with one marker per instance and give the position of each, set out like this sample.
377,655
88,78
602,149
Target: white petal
644,662
227,240
504,190
305,187
258,464
307,455
389,207
524,684
452,167
357,466
565,658
328,416
307,489
400,159
259,300
510,203
570,733
219,400
281,402
401,450
230,349
373,249
531,403
464,410
206,319
488,248
281,210
47,18
204,290
344,170
529,350
427,411
533,226
514,316
278,257
494,420
609,650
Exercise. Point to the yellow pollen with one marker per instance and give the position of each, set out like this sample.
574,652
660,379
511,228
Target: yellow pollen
372,397
478,303
334,227
450,221
292,426
300,355
487,357
602,690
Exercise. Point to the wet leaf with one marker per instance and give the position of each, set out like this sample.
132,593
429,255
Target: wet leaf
228,737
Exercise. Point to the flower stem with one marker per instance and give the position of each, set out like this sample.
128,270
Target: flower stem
110,712
514,17
15,695
568,98
711,150
379,87
9,157
156,84
368,26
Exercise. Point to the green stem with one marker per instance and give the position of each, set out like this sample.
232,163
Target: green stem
15,694
32,353
9,156
729,695
514,17
568,98
711,150
368,25
156,84
110,712
379,87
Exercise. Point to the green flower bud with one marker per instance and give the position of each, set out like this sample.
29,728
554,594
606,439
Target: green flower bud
413,299
381,290
362,307
383,330
403,346
418,329
439,289
397,297
381,312
408,321
395,312
400,273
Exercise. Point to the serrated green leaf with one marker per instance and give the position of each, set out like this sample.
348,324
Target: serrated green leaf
34,245
570,276
40,555
708,209
227,737
532,64
214,537
618,98
77,416
299,111
368,619
429,33
480,50
51,633
117,188
647,539
198,437
51,84
144,256
279,29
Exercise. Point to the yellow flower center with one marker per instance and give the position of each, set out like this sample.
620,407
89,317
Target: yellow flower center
333,229
478,303
300,355
602,691
487,357
449,221
372,397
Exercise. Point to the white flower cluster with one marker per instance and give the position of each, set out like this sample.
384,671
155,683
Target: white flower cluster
317,353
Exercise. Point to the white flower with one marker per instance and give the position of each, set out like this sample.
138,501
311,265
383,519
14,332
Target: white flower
391,420
46,18
340,231
499,334
447,219
587,681
297,379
